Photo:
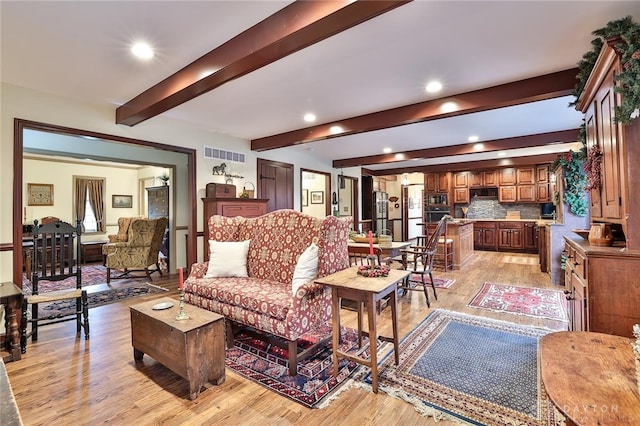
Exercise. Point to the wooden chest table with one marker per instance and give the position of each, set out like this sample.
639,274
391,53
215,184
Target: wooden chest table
192,348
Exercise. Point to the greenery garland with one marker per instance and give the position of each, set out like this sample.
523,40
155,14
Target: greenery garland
628,80
575,181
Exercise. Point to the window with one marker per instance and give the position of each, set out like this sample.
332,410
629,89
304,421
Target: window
89,203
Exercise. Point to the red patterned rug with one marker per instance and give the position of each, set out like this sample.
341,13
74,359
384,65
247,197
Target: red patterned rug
439,282
530,301
91,275
268,366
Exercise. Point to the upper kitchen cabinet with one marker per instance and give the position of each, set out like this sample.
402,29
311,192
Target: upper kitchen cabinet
526,176
508,176
479,179
436,182
461,180
615,200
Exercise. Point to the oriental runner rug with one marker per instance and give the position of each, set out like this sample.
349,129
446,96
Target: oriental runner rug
530,301
471,370
438,282
314,386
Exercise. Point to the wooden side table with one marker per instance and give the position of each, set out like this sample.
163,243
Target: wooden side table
349,285
192,348
591,377
11,297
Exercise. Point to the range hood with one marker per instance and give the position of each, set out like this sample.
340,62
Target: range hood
490,192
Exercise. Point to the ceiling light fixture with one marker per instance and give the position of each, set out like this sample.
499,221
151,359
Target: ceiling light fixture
405,179
387,150
341,180
399,156
478,147
448,107
473,138
334,130
309,117
502,154
433,86
142,50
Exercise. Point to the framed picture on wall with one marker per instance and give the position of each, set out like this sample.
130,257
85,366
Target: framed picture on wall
122,201
317,197
39,194
305,197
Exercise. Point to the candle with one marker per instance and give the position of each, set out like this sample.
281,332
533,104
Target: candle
181,278
370,236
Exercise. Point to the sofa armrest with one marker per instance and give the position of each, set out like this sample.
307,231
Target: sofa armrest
198,270
311,308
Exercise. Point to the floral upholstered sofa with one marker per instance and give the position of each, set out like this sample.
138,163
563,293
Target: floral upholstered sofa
264,296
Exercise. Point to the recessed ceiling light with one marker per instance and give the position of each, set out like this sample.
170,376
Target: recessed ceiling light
473,138
142,50
334,130
502,154
399,156
309,117
205,74
387,150
478,147
448,107
433,87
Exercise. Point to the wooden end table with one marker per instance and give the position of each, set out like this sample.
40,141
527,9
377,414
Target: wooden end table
349,285
11,296
192,348
591,377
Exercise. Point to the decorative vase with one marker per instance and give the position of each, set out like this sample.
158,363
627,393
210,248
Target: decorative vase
600,234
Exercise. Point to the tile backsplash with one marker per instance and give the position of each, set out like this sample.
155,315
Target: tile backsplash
490,208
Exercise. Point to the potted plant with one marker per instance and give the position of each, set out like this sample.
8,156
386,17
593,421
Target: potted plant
164,178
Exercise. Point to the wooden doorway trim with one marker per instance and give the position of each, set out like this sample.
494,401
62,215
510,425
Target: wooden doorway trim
327,188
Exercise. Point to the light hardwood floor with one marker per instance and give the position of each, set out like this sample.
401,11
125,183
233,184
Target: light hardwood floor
64,380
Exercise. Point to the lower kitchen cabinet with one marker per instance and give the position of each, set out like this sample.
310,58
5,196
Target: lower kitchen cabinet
510,236
602,288
484,236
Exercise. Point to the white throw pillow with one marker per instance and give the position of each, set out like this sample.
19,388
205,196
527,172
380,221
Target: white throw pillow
228,259
306,268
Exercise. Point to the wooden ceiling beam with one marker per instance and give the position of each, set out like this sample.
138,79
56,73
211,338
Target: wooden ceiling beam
527,141
533,89
298,25
470,165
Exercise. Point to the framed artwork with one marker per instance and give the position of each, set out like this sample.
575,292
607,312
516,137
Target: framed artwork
121,201
39,194
305,197
317,197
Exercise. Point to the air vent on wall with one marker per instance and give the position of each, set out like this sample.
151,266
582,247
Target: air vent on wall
223,154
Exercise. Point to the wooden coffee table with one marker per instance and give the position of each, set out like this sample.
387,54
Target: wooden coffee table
349,285
192,348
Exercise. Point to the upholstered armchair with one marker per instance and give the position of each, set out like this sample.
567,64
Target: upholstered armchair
144,239
123,230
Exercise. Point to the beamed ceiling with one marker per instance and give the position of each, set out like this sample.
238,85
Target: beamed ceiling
253,69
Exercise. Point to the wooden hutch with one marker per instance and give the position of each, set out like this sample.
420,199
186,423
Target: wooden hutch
602,283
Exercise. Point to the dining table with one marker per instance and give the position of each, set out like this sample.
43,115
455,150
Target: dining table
389,250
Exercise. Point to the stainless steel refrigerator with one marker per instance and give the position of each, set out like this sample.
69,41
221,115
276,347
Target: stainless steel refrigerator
380,212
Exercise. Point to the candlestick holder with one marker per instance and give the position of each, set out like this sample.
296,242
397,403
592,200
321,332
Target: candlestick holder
372,260
182,315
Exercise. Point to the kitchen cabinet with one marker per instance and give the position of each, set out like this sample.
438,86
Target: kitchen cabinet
479,179
508,176
526,175
526,193
461,180
380,184
461,195
484,236
602,287
616,199
230,207
510,236
436,182
531,235
543,191
543,248
507,194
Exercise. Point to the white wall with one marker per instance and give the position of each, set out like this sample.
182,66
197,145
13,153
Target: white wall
27,104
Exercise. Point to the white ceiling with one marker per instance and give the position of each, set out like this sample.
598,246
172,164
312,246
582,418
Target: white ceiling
80,50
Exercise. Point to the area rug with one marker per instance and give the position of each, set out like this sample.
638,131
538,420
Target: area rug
469,369
91,275
438,282
100,298
314,386
530,301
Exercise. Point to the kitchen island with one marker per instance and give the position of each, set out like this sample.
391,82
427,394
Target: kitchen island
461,233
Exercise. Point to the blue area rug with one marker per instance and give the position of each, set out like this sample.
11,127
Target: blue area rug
470,369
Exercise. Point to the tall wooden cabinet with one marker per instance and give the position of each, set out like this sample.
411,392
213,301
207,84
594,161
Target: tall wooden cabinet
158,206
616,201
230,207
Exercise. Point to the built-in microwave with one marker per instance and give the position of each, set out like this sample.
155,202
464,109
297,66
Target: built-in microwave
437,199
